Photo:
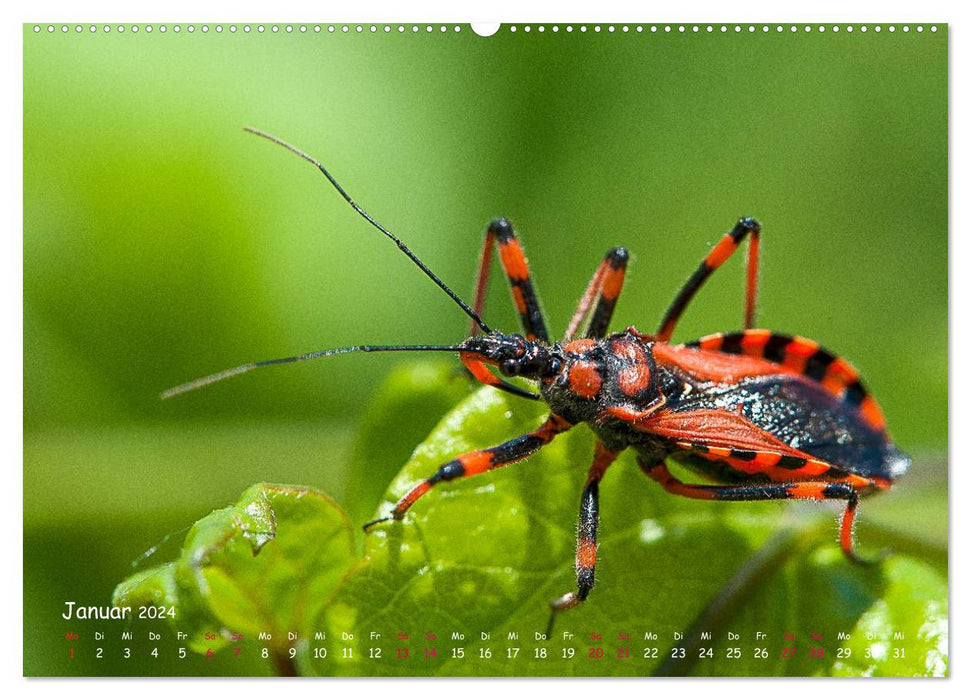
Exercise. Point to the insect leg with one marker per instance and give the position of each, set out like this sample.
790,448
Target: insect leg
718,255
808,490
604,287
514,264
479,461
586,558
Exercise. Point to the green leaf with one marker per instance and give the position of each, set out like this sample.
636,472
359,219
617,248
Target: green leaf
407,405
905,633
487,554
479,559
271,563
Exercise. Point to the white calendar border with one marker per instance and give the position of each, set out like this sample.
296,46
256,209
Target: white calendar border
418,11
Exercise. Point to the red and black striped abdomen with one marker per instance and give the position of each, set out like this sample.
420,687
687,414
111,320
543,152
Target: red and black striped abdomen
807,397
800,356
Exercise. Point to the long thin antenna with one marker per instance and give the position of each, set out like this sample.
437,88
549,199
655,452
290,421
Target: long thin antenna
404,249
249,367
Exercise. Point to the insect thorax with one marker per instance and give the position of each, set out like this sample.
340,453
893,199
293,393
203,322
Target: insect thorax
595,374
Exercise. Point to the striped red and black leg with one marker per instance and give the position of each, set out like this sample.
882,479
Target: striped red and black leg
516,267
807,490
604,288
479,461
718,255
586,557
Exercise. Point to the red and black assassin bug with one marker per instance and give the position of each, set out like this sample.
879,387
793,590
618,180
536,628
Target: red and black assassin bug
765,415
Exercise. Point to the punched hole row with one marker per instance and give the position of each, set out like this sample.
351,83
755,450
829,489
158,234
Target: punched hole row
718,28
249,28
484,30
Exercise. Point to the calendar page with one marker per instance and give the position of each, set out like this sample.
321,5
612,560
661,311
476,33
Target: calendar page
544,349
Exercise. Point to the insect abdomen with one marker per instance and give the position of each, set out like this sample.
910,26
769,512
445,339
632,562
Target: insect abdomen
808,418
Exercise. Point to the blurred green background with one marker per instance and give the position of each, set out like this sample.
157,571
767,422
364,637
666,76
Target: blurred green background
162,243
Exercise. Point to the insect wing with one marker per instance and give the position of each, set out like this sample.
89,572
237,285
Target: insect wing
802,415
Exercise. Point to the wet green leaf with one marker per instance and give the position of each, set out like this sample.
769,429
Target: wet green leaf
271,563
477,561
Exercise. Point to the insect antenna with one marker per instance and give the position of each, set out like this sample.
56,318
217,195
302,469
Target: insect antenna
250,366
404,249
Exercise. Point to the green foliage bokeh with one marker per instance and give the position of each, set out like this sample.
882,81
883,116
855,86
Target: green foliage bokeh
161,242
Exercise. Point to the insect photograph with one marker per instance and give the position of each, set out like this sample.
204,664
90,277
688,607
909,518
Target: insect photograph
776,416
710,401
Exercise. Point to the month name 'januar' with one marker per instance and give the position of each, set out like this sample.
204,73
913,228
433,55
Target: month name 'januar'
95,612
